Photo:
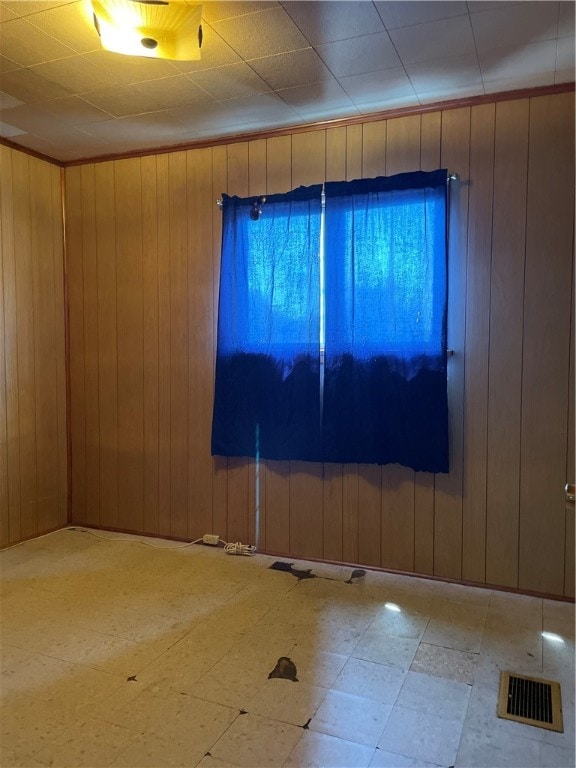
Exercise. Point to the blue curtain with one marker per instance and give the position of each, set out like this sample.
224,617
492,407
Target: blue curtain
385,393
381,281
266,399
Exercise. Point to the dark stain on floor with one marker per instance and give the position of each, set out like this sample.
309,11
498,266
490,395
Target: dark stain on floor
285,669
307,573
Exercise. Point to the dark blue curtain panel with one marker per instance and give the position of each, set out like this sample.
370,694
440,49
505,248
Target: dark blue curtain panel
371,295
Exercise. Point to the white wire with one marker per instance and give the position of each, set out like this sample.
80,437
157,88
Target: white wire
238,548
133,541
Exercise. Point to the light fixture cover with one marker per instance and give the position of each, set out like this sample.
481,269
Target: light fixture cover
158,29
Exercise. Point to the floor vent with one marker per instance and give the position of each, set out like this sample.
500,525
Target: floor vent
530,700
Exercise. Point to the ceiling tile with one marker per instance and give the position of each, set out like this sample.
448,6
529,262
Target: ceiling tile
26,44
7,131
215,53
521,24
326,95
566,20
262,34
71,24
78,75
422,42
378,86
403,14
323,22
28,7
6,15
358,55
291,69
386,103
130,69
230,82
217,11
516,83
26,85
476,6
8,102
449,94
451,71
7,65
565,54
147,97
538,58
266,106
72,110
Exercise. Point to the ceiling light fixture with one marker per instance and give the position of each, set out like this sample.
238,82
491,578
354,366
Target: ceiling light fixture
157,29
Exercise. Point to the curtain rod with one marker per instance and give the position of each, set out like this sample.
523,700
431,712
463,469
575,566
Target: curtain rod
451,177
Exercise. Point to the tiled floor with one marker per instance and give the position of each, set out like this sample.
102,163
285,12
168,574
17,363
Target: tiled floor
119,654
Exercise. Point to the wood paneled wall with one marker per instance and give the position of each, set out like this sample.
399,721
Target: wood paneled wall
33,459
143,259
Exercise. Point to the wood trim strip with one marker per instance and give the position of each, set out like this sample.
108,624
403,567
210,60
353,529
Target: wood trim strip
420,109
31,152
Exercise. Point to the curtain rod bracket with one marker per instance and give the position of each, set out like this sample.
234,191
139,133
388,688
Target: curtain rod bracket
219,202
453,177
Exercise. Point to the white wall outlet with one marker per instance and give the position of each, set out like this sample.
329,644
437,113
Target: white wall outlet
211,538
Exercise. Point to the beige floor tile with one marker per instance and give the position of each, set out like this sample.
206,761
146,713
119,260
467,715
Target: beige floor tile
328,636
256,741
287,701
379,682
434,696
149,751
208,761
259,656
479,749
422,736
449,634
383,759
445,662
28,725
228,684
376,645
318,749
352,718
11,759
316,667
400,623
12,657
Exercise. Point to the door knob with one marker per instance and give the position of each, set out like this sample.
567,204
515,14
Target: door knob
570,490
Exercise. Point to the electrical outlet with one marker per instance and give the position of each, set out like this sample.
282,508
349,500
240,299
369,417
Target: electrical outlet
211,538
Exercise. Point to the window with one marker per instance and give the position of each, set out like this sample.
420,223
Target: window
332,324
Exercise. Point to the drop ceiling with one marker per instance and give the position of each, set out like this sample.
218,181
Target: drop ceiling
265,65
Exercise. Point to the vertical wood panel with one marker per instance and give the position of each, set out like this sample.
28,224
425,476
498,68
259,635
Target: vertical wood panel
569,574
10,346
179,362
278,179
350,509
477,342
90,308
57,180
306,496
164,345
44,346
398,525
257,478
201,342
546,339
448,491
239,469
26,352
374,148
370,525
333,483
219,463
430,128
76,343
505,354
151,334
107,342
130,344
4,501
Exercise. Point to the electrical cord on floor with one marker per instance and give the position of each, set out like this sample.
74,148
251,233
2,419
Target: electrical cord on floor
134,541
238,548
